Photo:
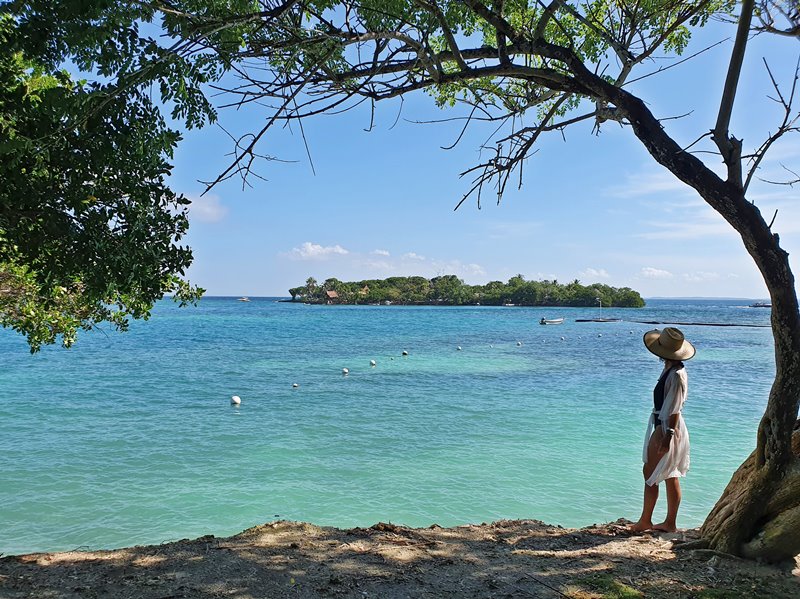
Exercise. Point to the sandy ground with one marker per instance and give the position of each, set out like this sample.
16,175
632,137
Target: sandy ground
520,558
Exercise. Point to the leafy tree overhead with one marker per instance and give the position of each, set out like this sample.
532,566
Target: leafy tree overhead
88,227
524,68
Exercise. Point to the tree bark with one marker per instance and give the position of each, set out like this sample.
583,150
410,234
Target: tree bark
758,515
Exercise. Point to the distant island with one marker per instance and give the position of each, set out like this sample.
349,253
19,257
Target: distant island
449,290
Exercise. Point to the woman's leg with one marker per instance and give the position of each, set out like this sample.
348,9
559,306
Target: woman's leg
650,491
673,503
646,519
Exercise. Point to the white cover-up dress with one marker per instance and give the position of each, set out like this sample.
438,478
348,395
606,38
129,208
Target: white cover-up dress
675,462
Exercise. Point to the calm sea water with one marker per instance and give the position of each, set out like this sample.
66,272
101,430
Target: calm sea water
130,438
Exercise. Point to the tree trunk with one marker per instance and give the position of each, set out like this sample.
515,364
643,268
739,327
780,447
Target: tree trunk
758,515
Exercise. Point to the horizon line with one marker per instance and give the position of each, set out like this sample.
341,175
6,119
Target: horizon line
653,297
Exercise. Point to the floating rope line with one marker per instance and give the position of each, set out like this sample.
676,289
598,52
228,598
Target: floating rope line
703,324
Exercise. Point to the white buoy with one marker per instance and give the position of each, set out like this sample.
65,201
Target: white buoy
345,371
519,343
491,346
372,362
405,353
235,400
295,385
562,339
459,348
599,334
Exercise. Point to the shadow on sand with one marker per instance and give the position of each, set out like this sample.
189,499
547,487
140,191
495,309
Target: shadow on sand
521,558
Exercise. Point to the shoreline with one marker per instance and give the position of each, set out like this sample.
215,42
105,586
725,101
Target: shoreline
507,558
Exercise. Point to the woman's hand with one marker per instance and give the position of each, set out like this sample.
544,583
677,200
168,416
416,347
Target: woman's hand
663,447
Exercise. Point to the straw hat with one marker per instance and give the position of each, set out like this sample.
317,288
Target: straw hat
669,344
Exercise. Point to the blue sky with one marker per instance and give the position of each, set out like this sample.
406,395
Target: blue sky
595,208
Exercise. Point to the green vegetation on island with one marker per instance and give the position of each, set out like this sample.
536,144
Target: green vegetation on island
449,290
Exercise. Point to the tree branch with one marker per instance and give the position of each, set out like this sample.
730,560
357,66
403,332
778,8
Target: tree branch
766,16
730,147
621,51
783,128
495,20
434,8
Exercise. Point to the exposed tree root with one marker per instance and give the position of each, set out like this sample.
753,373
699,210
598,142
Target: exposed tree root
758,515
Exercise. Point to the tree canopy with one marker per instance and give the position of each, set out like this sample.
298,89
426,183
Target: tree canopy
89,230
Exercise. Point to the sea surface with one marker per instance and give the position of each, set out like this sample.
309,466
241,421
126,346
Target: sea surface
131,438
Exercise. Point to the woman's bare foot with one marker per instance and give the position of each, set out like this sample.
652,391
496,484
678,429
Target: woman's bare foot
640,526
664,527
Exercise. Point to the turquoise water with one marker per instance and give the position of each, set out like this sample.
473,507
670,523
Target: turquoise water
130,438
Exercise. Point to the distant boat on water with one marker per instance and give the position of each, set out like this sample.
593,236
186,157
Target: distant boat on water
761,305
551,321
244,299
598,320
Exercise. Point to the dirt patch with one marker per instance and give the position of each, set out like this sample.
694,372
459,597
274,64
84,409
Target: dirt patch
519,558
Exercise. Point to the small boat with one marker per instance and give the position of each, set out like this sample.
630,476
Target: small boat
761,305
551,321
244,299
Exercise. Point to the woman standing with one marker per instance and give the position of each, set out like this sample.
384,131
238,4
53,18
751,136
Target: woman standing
666,442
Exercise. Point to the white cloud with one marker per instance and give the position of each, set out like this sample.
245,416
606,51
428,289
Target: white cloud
314,251
411,264
699,276
207,209
455,267
508,230
676,212
783,199
378,266
544,276
649,183
697,228
648,272
594,274
354,265
475,269
784,150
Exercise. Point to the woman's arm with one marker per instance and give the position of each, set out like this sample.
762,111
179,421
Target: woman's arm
674,397
672,424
